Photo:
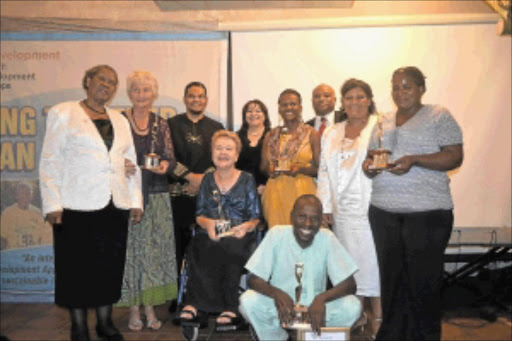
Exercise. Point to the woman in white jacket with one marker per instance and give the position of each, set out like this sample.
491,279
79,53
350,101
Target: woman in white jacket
345,190
88,199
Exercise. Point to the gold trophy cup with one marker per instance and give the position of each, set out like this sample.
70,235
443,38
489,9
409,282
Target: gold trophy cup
283,163
381,159
381,155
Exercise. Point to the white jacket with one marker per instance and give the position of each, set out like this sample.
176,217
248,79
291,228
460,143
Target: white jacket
77,171
333,180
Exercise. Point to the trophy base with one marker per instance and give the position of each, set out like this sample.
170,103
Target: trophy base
281,172
297,326
382,167
381,160
151,161
300,320
230,233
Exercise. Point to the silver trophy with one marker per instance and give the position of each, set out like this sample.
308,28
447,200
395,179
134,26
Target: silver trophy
300,311
151,159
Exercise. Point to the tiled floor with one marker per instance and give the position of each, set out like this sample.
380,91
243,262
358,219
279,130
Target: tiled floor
48,322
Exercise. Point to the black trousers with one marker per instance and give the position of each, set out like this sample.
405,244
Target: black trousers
184,215
410,249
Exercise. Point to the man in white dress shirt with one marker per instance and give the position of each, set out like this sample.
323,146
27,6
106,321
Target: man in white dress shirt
324,100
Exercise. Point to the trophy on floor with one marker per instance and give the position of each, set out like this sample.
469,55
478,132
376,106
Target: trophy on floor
380,155
222,225
283,163
300,318
152,160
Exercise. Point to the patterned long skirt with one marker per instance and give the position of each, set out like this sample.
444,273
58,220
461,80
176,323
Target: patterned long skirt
150,275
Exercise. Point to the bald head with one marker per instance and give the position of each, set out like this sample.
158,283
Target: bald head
307,199
323,99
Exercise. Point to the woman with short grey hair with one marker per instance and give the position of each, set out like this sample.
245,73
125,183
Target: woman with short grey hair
150,275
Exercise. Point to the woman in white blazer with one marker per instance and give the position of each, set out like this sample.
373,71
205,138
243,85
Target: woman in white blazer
88,199
345,190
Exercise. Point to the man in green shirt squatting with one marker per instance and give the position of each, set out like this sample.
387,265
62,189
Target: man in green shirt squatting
268,304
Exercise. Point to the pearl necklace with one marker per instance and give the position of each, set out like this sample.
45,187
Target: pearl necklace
136,125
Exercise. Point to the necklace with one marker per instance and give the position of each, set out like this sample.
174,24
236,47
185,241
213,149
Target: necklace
193,137
136,125
94,110
347,149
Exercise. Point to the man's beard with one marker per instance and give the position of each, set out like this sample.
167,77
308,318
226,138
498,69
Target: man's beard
195,112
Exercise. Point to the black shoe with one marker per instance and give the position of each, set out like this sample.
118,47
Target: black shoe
110,333
80,335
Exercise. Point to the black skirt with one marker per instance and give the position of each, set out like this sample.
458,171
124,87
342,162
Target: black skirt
215,269
90,252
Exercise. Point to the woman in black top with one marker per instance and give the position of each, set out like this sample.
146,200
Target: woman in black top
254,127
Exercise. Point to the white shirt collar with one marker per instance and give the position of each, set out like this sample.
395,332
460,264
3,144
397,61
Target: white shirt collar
329,117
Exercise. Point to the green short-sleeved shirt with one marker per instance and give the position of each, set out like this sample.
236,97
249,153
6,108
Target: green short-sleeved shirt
275,258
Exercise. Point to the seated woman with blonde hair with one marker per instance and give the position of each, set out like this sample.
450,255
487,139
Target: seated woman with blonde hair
228,210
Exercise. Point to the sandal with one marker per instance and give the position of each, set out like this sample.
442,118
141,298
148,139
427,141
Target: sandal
151,321
154,324
135,324
191,312
233,319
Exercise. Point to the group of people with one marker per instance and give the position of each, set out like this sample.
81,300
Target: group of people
122,227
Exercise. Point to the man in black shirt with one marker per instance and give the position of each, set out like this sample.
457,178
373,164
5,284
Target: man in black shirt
191,135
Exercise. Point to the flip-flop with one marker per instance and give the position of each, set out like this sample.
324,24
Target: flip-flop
154,324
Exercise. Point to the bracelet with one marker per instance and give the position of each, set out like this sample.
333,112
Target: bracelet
180,170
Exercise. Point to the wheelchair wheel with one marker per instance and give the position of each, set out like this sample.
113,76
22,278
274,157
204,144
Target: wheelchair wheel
190,332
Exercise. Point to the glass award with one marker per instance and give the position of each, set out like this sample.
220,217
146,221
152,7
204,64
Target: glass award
222,224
